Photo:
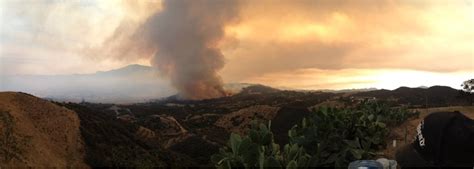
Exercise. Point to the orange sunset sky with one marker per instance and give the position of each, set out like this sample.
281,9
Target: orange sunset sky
298,44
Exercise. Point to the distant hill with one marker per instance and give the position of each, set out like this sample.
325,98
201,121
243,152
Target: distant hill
235,88
258,89
435,96
350,90
130,84
39,134
133,69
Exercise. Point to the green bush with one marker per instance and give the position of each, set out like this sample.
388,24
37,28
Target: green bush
327,137
258,150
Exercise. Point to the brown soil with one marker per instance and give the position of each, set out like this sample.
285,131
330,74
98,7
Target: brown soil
145,133
49,134
405,133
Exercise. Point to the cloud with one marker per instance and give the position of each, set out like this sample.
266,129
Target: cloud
56,34
333,35
271,37
312,79
184,39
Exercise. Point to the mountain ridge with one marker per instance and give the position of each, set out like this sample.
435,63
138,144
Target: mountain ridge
130,84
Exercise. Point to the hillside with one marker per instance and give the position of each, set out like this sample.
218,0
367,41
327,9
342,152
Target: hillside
37,133
111,142
173,132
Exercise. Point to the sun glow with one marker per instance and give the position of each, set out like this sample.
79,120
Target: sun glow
391,79
314,79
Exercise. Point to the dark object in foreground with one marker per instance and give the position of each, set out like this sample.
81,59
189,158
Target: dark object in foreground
444,139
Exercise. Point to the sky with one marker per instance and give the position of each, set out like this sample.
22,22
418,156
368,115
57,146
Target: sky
299,44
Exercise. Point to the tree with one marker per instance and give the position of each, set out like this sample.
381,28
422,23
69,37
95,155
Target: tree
468,86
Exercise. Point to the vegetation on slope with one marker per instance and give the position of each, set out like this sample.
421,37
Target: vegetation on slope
327,137
110,143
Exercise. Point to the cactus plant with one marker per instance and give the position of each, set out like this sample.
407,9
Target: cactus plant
328,137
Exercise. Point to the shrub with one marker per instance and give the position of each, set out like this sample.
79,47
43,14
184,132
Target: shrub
258,150
327,137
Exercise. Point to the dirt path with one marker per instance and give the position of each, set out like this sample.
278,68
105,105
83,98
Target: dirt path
405,133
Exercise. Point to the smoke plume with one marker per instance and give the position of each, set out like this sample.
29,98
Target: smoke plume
186,35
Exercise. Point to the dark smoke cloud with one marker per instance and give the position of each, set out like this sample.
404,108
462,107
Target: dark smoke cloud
187,35
183,40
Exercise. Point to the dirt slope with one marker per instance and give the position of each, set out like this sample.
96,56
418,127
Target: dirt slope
37,133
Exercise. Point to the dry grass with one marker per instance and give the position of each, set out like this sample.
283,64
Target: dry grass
53,132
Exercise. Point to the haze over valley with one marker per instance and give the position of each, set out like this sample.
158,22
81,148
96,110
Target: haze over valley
134,83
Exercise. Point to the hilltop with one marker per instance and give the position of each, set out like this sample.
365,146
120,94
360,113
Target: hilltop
38,133
435,96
